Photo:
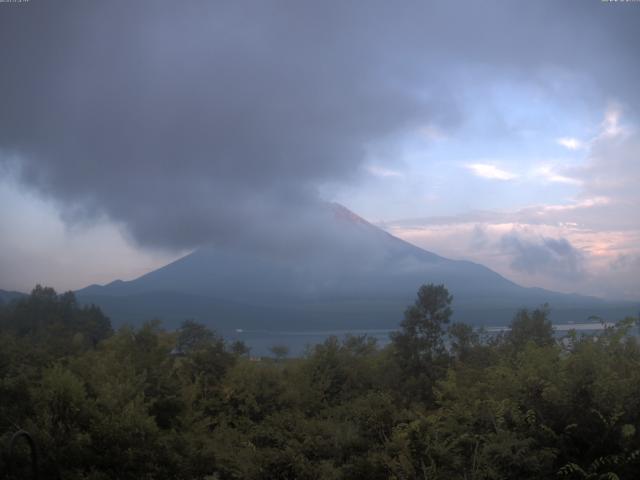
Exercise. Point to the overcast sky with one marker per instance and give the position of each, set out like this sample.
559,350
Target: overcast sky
498,131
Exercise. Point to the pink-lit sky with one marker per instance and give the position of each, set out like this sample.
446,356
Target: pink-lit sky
561,213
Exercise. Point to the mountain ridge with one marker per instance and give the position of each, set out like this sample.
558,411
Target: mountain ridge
7,296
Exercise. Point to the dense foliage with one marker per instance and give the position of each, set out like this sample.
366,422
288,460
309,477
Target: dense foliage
441,401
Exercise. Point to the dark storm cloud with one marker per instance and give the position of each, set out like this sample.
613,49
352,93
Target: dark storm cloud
549,256
190,122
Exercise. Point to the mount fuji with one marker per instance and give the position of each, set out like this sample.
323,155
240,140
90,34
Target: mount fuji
347,274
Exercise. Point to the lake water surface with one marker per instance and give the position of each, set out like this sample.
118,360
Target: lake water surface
261,341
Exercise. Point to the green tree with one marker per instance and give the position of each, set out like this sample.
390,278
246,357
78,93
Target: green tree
193,336
240,349
280,352
531,327
463,339
419,345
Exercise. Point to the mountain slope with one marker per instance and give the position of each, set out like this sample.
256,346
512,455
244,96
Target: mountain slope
355,276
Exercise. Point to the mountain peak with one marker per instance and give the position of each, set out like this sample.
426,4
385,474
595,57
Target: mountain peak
342,213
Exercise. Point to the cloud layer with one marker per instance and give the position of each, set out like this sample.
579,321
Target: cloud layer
216,121
551,256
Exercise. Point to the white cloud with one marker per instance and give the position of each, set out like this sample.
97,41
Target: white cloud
582,204
383,172
612,168
611,125
549,174
492,172
570,143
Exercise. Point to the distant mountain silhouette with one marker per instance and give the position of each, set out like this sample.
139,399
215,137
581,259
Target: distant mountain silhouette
7,296
354,276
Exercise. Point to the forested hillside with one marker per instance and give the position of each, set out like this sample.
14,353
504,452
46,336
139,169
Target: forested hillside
442,401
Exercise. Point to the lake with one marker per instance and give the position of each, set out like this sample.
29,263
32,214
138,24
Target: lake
260,341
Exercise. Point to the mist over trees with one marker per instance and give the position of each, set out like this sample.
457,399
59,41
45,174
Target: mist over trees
441,401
